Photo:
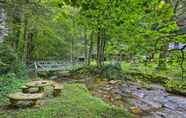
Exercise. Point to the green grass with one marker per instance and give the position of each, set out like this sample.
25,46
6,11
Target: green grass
75,102
177,84
172,71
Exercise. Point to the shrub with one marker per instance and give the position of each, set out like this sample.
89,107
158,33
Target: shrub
20,70
8,83
111,72
8,58
9,62
176,84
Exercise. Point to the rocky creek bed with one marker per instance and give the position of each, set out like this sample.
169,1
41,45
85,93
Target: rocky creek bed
151,101
143,100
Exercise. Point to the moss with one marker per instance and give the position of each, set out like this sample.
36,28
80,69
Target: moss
132,75
176,86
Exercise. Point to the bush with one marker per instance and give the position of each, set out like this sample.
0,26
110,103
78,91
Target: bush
112,72
8,83
20,70
176,87
176,84
109,71
8,59
9,62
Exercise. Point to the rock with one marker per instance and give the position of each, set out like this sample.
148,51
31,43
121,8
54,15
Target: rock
119,103
154,105
64,73
155,87
3,29
117,97
23,96
170,106
140,95
107,88
113,82
53,77
167,113
135,110
149,102
33,90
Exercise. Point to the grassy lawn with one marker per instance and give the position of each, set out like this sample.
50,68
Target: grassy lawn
75,102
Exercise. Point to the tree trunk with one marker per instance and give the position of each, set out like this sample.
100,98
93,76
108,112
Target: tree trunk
72,50
90,48
162,57
100,47
29,47
86,48
18,33
25,33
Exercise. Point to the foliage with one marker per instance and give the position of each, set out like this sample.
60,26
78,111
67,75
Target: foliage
136,31
74,102
8,59
9,83
108,71
112,72
178,84
9,62
20,70
64,28
172,71
148,74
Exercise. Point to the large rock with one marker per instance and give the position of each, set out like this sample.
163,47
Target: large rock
154,101
3,29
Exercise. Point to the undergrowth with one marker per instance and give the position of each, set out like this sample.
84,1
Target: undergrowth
109,72
9,83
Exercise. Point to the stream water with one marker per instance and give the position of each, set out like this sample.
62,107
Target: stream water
155,101
151,101
147,101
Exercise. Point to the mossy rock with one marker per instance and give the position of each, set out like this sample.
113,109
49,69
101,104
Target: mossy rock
176,91
147,77
64,74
